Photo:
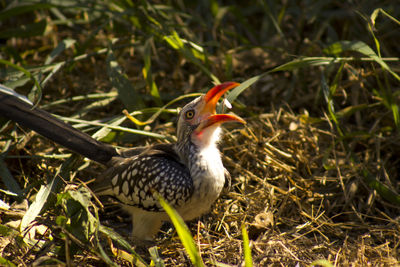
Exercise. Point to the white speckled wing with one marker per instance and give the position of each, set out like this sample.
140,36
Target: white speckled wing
136,180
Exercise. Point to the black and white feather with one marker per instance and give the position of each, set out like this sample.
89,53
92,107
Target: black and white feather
188,174
136,180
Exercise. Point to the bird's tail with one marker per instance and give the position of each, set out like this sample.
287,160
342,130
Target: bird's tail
17,108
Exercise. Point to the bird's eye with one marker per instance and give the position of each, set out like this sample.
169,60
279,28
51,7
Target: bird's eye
189,114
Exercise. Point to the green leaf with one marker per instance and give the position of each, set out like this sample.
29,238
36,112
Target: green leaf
6,231
329,101
61,220
350,110
105,257
183,233
294,64
147,73
81,195
131,99
21,9
63,45
117,128
246,248
155,257
125,244
104,132
82,223
45,192
375,13
360,47
8,179
309,62
396,115
28,30
303,62
5,262
228,66
36,207
324,263
27,73
381,189
233,94
179,44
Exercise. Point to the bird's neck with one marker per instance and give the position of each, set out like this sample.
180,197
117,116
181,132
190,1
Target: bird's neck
200,151
207,172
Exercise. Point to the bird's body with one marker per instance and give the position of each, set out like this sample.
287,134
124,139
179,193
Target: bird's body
208,180
191,191
188,174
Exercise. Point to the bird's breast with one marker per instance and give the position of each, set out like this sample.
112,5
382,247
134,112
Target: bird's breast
208,180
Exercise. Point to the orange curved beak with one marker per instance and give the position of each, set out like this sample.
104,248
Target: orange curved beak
211,99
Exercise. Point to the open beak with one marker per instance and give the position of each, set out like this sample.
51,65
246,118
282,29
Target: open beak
209,110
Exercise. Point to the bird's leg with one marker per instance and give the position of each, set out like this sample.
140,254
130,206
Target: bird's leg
145,224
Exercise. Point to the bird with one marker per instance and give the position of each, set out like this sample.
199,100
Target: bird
188,174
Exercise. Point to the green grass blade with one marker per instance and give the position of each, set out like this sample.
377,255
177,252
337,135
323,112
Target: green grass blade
63,45
4,262
184,233
21,9
360,47
80,98
375,13
155,257
292,65
323,263
179,44
120,240
117,128
103,254
329,101
248,261
8,179
131,99
267,9
104,131
233,94
228,66
105,257
158,111
295,64
381,189
6,231
377,44
27,74
303,62
50,75
28,30
45,193
36,207
147,73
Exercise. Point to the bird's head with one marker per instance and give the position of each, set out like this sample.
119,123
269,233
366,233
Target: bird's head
198,120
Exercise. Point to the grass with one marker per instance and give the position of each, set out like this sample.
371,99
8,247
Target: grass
315,170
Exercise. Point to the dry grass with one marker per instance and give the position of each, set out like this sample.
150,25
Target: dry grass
295,209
